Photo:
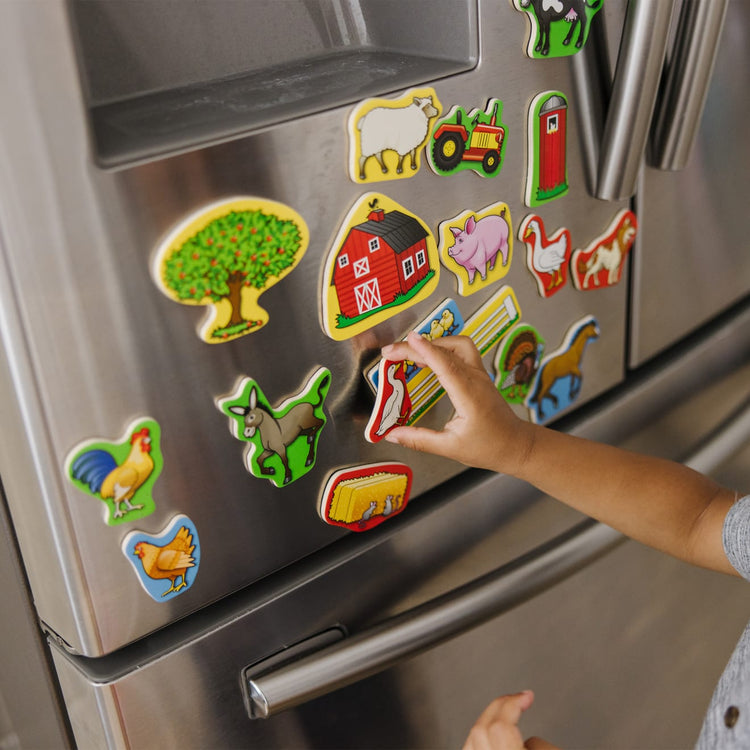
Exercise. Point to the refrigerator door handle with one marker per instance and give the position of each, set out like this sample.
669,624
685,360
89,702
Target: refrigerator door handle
686,83
269,690
634,89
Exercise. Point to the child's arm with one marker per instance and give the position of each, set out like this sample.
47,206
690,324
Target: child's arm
661,503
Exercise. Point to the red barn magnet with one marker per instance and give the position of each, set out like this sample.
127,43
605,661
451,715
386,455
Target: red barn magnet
547,177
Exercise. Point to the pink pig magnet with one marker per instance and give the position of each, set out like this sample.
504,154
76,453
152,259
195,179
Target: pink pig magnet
477,246
392,401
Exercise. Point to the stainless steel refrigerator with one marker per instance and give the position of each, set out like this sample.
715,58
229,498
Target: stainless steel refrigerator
131,128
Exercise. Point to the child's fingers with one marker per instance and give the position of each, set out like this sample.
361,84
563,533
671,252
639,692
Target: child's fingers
506,709
421,439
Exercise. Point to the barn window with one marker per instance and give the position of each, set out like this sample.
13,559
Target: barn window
343,261
408,266
361,267
552,124
374,244
421,258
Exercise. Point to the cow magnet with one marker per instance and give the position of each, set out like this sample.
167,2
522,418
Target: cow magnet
363,497
600,264
386,136
477,246
546,258
557,28
120,473
558,381
469,141
383,260
392,401
166,563
517,362
283,439
546,138
225,256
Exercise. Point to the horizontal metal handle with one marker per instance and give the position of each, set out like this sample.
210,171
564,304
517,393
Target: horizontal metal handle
470,605
636,83
686,84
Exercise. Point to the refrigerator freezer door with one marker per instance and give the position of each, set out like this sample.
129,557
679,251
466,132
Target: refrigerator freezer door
638,639
93,346
692,260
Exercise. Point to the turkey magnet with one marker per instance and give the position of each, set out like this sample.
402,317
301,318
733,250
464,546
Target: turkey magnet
392,401
557,28
363,497
546,258
283,439
472,141
517,362
546,138
386,136
120,473
477,247
225,256
383,260
600,264
559,378
166,563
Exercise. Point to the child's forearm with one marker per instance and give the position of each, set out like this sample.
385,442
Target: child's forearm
658,502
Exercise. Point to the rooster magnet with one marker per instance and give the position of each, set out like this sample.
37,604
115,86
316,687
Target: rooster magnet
120,473
166,563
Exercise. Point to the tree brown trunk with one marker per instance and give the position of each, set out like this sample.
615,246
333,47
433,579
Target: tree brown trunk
235,297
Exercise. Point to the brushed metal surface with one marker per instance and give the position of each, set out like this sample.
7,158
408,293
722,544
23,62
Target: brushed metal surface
92,343
631,646
692,260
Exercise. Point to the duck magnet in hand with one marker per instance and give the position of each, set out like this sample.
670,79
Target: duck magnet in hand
392,401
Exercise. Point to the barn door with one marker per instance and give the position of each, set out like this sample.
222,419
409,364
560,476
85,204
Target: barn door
367,296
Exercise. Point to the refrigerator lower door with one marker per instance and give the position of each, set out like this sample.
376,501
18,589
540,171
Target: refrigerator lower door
692,260
632,644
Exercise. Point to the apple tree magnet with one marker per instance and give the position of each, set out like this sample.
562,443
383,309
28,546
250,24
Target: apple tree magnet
225,256
120,473
477,246
383,260
386,136
472,141
557,28
600,264
282,440
546,165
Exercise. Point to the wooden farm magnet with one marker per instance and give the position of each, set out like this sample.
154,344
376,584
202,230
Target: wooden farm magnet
546,258
558,381
386,136
392,402
363,497
383,260
120,473
469,141
517,363
477,246
166,563
282,440
557,28
225,256
600,264
546,164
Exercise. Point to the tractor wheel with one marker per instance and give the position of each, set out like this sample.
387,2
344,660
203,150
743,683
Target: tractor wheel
447,151
491,161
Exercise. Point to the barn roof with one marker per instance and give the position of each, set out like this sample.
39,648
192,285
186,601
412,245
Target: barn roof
398,229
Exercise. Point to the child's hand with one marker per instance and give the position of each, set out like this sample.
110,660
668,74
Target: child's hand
496,728
484,431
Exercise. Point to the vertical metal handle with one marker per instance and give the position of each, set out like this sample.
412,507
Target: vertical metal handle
639,66
686,84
